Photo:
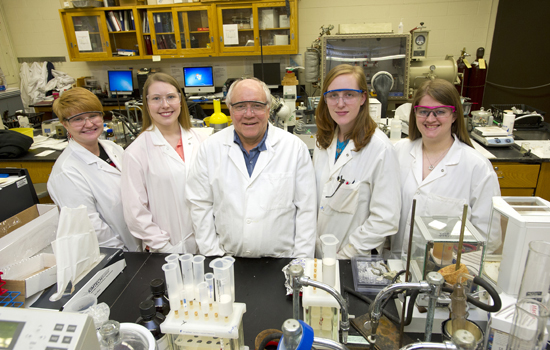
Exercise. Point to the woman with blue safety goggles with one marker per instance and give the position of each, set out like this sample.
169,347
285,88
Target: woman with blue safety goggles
356,168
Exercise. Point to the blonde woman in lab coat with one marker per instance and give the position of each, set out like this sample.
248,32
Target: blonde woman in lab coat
88,172
356,168
155,168
439,167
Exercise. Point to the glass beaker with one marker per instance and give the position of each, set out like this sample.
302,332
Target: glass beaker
529,325
535,283
330,242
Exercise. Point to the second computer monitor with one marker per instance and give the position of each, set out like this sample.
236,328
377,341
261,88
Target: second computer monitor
271,74
198,80
121,82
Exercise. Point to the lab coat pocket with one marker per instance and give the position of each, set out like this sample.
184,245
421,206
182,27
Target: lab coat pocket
345,199
277,191
444,206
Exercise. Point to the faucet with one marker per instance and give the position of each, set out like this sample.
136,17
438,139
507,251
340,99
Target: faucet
434,282
299,280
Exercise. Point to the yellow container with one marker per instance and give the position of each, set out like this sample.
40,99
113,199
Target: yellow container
25,131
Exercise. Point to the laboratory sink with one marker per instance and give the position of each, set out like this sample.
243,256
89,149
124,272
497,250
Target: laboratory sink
538,134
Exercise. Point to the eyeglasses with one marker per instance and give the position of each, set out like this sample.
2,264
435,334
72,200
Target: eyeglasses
256,107
171,99
438,111
348,95
79,120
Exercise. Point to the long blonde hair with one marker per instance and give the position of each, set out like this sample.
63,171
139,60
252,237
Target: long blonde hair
364,126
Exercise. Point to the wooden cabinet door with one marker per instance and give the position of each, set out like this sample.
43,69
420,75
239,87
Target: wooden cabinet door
195,31
87,35
277,27
236,30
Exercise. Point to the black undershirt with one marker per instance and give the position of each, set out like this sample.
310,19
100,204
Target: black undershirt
103,155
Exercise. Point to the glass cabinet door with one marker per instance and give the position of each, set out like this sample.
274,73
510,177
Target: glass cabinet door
89,39
161,26
195,32
236,28
274,24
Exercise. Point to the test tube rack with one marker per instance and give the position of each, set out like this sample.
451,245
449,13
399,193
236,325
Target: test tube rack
191,328
321,310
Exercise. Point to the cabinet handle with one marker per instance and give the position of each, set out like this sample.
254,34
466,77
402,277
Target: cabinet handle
221,39
292,36
107,44
154,42
497,171
211,39
71,45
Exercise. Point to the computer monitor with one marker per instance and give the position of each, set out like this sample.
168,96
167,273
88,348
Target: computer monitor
271,74
121,82
198,80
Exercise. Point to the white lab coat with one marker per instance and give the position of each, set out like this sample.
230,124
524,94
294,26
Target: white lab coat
153,190
366,208
463,176
271,213
81,178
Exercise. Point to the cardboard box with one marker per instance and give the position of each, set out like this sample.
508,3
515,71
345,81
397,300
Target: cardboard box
31,275
28,233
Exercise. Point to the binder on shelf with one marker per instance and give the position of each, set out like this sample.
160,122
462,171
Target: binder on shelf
121,20
114,21
126,21
145,24
109,25
158,24
148,46
132,23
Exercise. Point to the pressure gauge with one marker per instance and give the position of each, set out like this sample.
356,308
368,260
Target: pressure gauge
420,40
420,44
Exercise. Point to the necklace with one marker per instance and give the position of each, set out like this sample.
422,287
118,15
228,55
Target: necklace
433,164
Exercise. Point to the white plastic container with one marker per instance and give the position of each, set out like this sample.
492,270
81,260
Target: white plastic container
508,123
395,129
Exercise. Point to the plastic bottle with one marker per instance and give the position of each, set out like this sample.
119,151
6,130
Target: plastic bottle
103,135
400,27
151,319
126,336
395,129
508,121
110,135
158,290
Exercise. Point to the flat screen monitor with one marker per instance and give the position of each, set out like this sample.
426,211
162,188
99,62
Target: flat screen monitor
198,80
121,82
271,74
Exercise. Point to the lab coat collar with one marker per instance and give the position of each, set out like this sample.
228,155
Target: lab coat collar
452,158
158,140
90,158
346,155
236,154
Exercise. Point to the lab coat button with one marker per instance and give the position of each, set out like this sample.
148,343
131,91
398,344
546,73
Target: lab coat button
248,221
442,170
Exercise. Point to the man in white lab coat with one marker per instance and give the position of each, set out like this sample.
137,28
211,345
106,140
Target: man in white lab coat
252,186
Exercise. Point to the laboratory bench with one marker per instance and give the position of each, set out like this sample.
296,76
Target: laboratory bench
259,283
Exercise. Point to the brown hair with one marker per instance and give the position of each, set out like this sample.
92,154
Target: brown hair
184,119
74,101
444,92
364,126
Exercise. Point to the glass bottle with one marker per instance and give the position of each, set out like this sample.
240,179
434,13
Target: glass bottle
151,319
158,290
115,338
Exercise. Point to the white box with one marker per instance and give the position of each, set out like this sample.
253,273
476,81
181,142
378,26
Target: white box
151,2
284,21
269,19
375,109
30,275
280,39
30,238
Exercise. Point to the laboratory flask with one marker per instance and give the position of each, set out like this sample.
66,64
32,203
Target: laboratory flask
125,336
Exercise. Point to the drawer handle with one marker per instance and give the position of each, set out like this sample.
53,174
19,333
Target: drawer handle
498,173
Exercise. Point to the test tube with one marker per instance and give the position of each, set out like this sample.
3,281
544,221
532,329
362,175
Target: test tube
203,297
173,259
171,272
221,273
209,278
231,275
186,261
198,272
329,243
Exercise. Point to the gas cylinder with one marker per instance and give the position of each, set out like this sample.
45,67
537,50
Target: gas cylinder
464,68
476,81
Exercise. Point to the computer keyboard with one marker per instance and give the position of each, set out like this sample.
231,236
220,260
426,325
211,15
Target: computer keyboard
114,99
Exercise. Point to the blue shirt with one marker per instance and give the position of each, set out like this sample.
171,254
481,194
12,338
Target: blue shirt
250,158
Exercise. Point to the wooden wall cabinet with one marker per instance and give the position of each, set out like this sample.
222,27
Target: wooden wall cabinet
182,30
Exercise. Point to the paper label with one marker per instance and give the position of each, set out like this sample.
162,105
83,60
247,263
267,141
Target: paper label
466,63
482,64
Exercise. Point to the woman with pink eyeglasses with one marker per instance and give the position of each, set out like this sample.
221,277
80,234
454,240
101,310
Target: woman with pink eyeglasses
438,164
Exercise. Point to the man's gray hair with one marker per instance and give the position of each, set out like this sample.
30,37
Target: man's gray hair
229,96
